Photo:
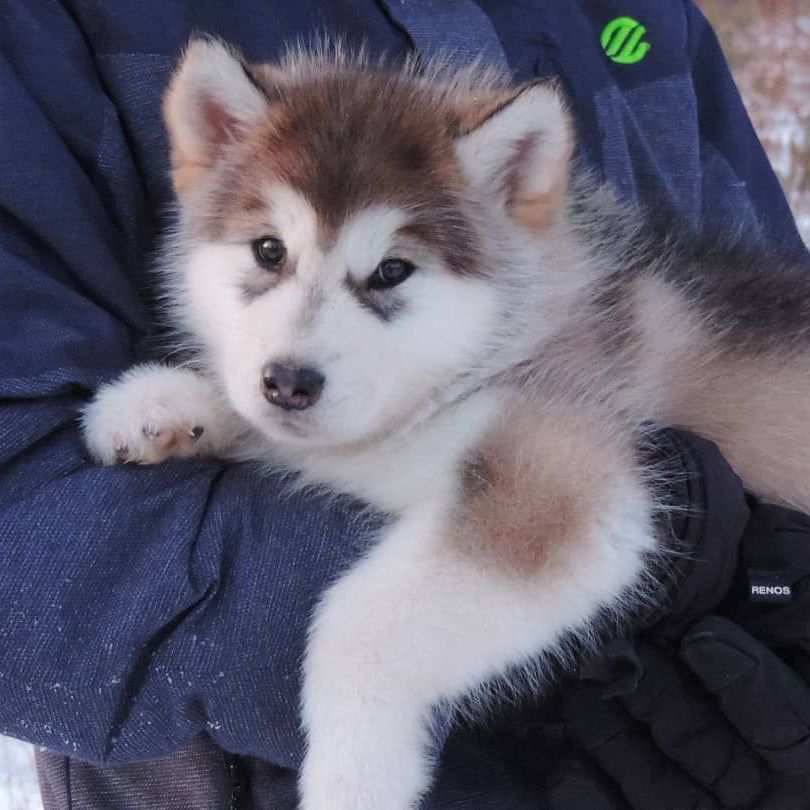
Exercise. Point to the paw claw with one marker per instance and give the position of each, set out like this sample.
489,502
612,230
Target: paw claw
120,447
150,414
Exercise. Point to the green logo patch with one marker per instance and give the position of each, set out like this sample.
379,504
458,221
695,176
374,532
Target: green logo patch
621,40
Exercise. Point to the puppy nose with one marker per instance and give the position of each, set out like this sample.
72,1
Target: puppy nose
292,387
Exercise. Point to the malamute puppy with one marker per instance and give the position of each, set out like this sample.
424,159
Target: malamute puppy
394,283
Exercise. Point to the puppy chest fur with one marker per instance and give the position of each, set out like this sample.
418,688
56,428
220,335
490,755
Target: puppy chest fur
535,484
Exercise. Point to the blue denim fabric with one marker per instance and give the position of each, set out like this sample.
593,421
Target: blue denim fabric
436,27
139,606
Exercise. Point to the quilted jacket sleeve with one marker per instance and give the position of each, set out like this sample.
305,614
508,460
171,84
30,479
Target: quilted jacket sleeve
137,605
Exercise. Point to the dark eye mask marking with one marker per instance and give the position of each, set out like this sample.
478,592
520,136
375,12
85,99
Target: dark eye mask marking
257,281
385,304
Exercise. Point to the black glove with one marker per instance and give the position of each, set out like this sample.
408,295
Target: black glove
720,723
705,703
704,712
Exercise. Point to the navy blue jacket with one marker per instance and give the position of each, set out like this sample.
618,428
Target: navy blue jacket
139,606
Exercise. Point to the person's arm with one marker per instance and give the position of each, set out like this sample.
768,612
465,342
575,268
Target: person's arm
137,605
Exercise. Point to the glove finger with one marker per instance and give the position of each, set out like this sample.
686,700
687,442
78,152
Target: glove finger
688,728
624,751
577,786
788,793
760,695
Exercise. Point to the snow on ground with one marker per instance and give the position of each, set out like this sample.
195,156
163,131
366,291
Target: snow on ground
18,781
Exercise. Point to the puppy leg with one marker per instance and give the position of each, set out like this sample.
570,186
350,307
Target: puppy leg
427,617
154,412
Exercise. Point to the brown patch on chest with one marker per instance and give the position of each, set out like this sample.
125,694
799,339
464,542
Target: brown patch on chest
533,489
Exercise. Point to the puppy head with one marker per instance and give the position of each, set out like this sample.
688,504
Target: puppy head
350,234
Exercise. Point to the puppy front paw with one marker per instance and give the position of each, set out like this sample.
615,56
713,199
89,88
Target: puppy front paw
153,413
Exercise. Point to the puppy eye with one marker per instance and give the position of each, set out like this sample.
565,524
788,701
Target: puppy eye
389,273
269,252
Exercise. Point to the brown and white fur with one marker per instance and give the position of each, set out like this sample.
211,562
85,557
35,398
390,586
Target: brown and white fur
492,402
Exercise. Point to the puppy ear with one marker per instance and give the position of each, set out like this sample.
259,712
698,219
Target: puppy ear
213,99
521,152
